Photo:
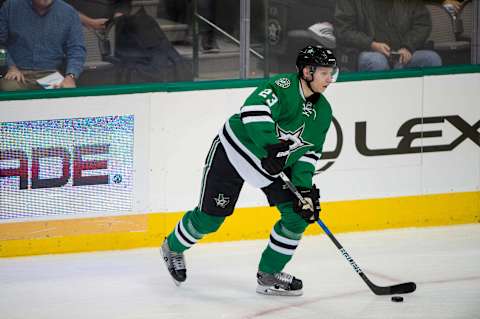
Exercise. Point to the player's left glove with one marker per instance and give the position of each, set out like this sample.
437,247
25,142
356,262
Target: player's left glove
312,196
277,155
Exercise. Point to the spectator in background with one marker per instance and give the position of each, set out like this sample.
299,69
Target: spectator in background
456,5
41,37
94,14
180,11
386,34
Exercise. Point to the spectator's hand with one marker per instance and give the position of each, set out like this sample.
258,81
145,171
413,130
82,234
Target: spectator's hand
405,56
118,14
68,82
454,3
96,24
15,74
381,47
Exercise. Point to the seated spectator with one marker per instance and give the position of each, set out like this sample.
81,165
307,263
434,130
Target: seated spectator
41,37
94,14
385,34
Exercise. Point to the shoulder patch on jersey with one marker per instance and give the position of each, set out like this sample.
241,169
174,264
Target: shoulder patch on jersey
283,83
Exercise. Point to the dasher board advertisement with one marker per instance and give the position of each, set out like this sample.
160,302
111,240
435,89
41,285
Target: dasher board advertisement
66,167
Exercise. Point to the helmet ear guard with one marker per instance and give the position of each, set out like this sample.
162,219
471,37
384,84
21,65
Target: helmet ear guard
315,56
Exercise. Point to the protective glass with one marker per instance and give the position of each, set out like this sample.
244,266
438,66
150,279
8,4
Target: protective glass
335,73
332,71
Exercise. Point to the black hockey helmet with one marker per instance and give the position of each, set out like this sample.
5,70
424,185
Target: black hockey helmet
316,56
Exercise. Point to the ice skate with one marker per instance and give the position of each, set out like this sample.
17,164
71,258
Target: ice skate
175,263
278,284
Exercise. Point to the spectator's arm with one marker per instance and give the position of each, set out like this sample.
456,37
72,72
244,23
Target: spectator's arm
75,48
122,7
4,24
10,61
455,3
93,24
346,29
4,31
420,30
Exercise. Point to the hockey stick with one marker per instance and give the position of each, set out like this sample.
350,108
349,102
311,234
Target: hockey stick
404,288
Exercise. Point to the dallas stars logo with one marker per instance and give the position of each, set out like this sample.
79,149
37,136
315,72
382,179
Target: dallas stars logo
284,83
221,200
295,137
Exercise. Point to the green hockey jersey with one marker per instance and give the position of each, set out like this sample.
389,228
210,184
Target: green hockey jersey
277,110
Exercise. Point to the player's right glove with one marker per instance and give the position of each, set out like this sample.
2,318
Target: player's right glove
276,157
312,197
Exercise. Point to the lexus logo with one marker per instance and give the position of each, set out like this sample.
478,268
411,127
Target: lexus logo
407,137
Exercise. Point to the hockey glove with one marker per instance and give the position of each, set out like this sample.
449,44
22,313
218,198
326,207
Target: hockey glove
312,196
276,157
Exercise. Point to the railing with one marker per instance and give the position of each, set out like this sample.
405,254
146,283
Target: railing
243,43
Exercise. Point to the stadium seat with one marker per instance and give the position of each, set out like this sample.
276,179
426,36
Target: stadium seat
442,39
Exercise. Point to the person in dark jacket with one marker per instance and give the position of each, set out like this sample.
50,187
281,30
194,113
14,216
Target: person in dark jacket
95,14
386,34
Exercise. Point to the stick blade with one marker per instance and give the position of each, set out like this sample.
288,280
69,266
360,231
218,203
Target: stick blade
404,288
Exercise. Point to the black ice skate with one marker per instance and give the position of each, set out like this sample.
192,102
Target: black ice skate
175,263
278,284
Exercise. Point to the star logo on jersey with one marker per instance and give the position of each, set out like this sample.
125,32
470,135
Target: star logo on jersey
221,200
295,137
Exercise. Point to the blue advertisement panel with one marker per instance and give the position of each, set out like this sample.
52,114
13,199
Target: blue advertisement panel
72,167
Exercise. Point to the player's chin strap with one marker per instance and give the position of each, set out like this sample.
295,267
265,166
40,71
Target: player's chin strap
312,72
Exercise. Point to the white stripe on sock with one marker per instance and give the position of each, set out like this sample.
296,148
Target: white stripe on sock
284,240
180,238
281,250
186,233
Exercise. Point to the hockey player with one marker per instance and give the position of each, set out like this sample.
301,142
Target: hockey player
281,127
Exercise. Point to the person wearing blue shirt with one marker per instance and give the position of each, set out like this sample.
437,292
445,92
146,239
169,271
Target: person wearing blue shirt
41,37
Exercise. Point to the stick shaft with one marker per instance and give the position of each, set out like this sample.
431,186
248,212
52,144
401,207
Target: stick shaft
327,231
378,290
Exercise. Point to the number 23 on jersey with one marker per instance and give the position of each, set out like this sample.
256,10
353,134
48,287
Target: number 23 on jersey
269,96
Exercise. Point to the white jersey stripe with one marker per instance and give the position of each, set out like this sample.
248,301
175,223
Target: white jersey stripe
243,167
206,169
240,145
307,160
317,155
250,119
251,108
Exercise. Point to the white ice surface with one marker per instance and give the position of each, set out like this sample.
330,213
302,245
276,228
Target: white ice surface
443,261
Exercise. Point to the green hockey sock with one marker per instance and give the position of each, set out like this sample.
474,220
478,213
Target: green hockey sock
284,239
191,228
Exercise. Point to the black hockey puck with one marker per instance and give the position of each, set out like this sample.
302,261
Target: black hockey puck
397,299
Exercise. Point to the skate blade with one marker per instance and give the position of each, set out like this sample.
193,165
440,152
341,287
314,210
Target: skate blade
176,282
272,291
